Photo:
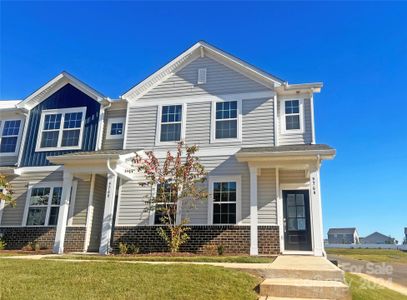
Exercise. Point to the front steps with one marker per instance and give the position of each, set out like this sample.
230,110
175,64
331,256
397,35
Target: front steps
302,277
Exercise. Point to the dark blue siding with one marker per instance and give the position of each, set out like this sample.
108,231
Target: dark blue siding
67,96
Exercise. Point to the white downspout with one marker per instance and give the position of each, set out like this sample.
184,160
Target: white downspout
106,235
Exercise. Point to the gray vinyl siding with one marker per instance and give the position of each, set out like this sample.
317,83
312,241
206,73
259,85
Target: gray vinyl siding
8,160
257,125
300,138
141,127
220,80
258,122
292,176
112,144
132,206
267,197
13,216
81,202
98,210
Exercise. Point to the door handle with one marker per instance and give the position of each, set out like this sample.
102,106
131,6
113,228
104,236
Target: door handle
285,224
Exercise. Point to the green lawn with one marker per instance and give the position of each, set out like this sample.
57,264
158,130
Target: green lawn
28,279
372,255
221,259
365,290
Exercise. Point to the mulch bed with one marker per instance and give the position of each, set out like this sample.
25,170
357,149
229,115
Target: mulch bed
25,252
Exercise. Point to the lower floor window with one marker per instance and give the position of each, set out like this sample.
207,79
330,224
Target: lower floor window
224,202
166,205
44,205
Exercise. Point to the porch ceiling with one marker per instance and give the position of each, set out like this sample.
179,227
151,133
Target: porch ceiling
286,152
90,156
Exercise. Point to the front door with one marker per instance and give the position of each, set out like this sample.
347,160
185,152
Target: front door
297,229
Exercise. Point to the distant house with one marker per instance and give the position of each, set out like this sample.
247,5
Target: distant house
343,236
377,238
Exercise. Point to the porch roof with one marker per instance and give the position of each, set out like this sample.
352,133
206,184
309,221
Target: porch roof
303,150
90,155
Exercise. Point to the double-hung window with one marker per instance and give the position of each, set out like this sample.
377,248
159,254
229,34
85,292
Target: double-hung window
224,200
166,204
43,205
9,136
292,118
61,129
226,120
171,123
115,128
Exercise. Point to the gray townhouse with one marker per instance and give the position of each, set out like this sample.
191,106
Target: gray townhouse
66,150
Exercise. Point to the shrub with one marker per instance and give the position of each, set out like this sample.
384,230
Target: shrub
133,249
37,246
2,244
123,248
28,247
221,249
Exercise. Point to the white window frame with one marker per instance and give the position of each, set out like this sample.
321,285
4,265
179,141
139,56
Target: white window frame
238,138
152,211
110,121
229,178
158,125
2,122
284,130
31,185
61,129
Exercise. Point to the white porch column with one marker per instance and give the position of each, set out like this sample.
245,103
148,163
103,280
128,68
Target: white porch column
253,211
63,213
108,214
316,211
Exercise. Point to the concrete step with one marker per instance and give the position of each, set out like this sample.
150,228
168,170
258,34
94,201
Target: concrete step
327,275
304,288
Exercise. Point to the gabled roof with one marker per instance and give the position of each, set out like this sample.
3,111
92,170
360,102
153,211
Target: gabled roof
350,230
198,50
56,83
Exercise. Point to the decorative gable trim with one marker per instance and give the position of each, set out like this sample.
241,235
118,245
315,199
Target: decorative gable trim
200,49
54,85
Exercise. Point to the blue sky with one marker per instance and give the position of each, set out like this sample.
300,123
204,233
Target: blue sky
359,51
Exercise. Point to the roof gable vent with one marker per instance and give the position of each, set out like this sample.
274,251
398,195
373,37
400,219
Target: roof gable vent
201,76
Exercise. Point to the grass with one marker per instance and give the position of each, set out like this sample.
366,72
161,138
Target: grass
372,255
365,290
220,259
27,279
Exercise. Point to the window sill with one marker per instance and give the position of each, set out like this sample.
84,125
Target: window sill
220,141
115,137
8,153
57,149
292,132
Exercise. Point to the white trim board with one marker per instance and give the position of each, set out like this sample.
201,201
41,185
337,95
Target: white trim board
201,98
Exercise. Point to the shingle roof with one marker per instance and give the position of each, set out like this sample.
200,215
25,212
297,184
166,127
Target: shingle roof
350,230
93,154
287,148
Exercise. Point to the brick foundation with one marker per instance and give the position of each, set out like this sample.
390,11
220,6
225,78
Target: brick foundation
203,239
18,237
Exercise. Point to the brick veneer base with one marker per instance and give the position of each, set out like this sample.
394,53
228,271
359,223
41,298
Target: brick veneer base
235,239
18,237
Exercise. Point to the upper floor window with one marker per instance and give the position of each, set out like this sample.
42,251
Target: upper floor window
292,117
9,136
43,205
61,129
226,121
115,128
171,123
